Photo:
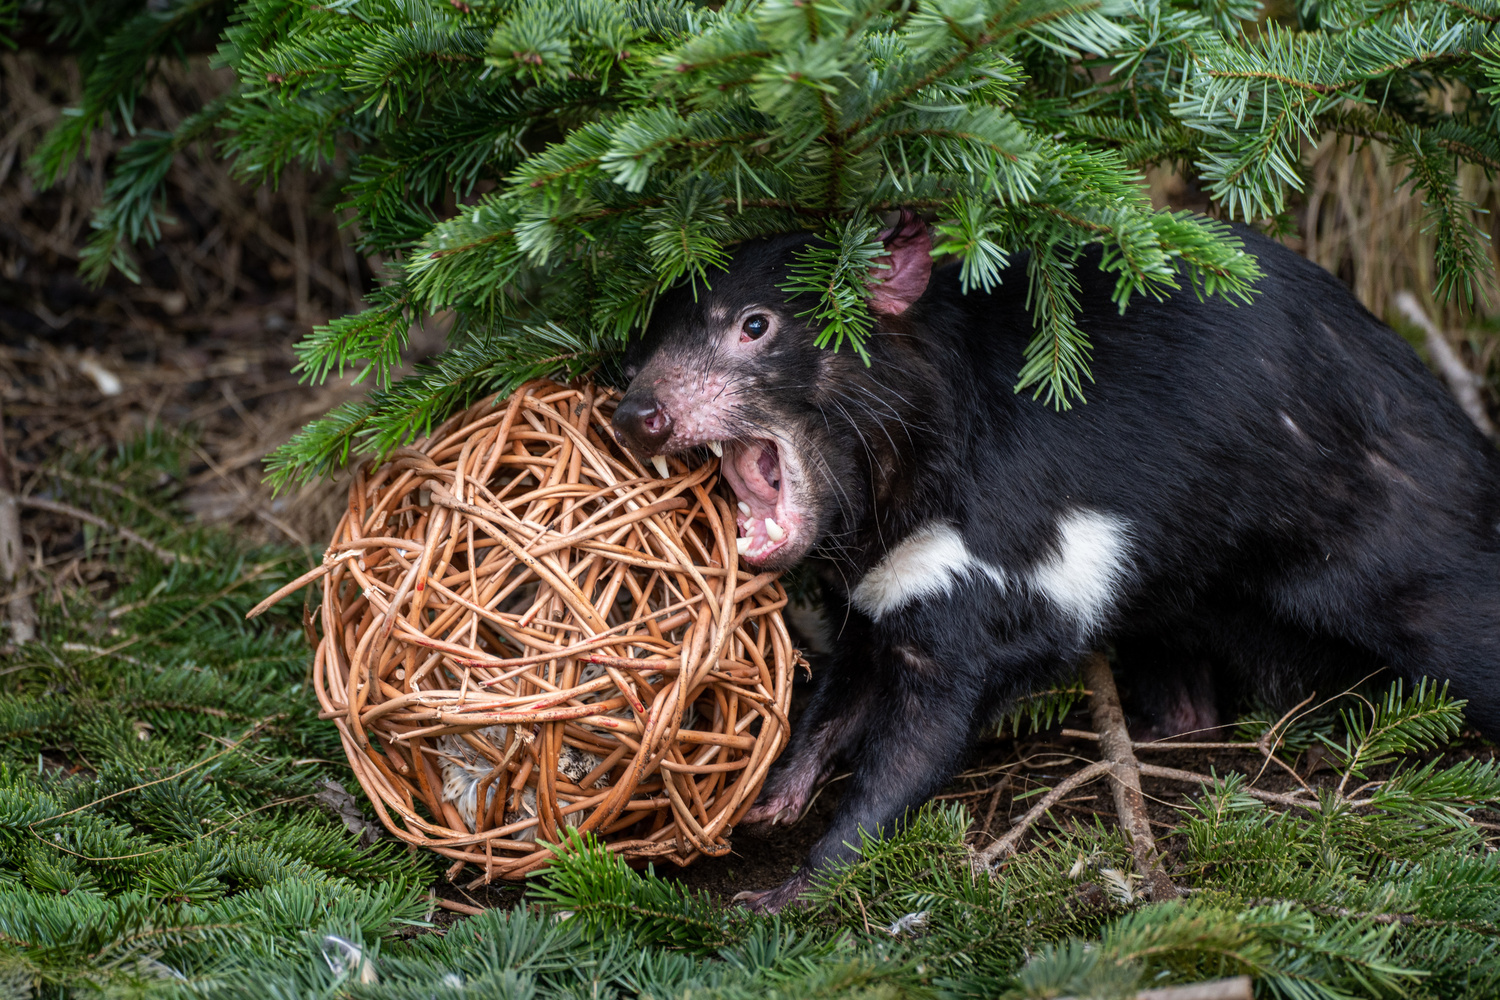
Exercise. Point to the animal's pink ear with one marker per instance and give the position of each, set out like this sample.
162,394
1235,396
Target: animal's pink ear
908,265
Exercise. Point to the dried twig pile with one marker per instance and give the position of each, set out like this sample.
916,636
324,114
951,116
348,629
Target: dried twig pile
523,631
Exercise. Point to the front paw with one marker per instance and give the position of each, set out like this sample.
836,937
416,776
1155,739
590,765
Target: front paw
775,900
776,809
785,797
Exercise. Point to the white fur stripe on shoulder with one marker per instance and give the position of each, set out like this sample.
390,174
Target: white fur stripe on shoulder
929,561
1083,578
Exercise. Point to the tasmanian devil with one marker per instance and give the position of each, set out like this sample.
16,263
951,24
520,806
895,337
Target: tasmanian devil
1279,488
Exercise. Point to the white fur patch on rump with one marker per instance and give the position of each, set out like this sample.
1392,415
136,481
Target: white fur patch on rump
1083,578
929,561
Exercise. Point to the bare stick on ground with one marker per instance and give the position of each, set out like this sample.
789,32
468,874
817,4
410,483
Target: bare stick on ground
1125,780
1196,778
1006,845
1464,383
1193,777
19,611
1235,988
1125,774
68,510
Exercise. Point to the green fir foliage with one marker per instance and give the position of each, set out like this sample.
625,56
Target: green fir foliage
1043,709
161,762
545,169
161,834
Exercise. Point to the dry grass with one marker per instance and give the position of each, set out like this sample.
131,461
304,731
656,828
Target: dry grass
1359,222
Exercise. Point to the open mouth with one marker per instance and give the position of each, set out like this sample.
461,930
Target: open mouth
753,469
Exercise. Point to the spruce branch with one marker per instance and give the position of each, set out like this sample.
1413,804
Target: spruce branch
1057,357
835,273
606,897
130,213
542,165
120,69
1396,725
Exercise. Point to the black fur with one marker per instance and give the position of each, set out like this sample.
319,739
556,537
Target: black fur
1306,504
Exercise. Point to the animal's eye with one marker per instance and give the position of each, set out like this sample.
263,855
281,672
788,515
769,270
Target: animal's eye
755,327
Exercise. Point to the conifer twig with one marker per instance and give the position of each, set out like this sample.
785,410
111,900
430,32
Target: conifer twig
68,510
1006,845
1194,777
456,907
176,845
989,815
261,724
94,482
1265,746
1125,774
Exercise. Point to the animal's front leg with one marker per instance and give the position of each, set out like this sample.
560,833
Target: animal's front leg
833,722
918,718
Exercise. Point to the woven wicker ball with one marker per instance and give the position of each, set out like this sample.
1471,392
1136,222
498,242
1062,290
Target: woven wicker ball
523,629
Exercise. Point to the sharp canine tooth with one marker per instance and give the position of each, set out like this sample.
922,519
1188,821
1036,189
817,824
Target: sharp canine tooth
660,462
717,447
744,507
742,544
773,531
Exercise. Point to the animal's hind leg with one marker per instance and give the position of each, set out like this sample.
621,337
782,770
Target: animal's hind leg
1431,613
1452,633
1172,692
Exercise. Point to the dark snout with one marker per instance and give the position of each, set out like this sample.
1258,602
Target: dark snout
642,423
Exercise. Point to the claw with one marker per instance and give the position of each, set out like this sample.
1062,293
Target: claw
774,900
